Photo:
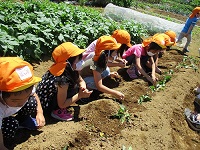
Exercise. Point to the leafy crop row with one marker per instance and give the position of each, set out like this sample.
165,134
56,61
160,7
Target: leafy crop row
182,7
33,29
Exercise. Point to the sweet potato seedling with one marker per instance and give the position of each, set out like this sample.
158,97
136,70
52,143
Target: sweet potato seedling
124,148
161,84
144,98
122,114
189,62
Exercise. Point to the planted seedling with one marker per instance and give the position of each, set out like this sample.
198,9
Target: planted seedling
124,148
122,114
189,62
161,84
144,98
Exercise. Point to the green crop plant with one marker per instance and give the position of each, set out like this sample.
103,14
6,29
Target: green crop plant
189,62
124,148
144,98
122,114
34,28
161,84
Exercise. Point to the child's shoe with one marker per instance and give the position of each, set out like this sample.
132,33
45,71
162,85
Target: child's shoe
198,96
132,72
191,118
62,114
29,123
197,90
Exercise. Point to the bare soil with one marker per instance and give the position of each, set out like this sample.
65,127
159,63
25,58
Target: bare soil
156,125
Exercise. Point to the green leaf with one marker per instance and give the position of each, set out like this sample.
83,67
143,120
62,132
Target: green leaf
61,37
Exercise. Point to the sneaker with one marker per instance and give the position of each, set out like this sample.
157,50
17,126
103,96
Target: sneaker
185,50
132,72
198,96
191,118
197,90
62,114
29,123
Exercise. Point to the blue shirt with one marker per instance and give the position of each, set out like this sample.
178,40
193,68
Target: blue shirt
189,22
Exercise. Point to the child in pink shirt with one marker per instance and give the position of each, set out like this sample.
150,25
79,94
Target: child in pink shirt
143,57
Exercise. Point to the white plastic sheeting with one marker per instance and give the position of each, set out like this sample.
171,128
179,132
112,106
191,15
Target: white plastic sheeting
152,22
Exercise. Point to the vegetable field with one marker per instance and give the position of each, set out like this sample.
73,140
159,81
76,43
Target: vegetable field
149,118
33,29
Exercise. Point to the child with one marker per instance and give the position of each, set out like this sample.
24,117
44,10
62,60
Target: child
17,96
142,56
187,29
62,85
93,67
122,37
169,38
172,36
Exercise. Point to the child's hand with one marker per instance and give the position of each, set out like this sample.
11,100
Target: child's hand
122,64
124,61
119,95
40,120
84,93
154,82
114,75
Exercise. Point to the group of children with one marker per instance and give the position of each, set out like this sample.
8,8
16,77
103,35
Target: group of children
73,76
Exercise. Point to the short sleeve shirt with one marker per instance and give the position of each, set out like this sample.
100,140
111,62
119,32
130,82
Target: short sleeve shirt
188,23
137,50
47,88
89,49
88,68
6,111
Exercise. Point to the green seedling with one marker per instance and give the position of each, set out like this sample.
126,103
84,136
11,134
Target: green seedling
122,114
144,98
124,148
161,84
189,62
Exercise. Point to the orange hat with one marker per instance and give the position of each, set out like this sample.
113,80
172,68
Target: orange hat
172,35
194,12
123,37
16,74
160,40
60,54
105,43
146,41
166,38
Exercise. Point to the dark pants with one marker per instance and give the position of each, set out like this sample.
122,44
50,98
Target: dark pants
11,124
53,104
131,60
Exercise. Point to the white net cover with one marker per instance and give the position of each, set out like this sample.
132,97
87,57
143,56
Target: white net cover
152,22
